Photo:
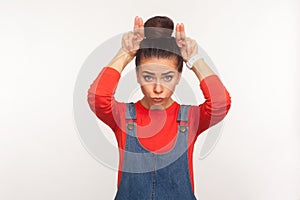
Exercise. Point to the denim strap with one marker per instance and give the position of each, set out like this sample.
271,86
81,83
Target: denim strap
130,111
183,113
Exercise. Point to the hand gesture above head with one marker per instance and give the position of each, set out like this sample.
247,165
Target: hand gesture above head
131,40
188,46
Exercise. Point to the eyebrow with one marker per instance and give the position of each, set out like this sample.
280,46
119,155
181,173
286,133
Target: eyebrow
166,73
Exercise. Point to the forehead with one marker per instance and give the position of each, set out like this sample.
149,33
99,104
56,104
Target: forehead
158,64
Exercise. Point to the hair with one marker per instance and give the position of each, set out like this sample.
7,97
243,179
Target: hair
159,42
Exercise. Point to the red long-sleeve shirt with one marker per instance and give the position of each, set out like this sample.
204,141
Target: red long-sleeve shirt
157,129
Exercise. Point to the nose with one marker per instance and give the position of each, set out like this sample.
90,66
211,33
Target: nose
158,88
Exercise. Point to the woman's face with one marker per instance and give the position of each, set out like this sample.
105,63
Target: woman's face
158,78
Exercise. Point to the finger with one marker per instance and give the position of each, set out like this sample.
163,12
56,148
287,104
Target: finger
192,47
123,39
195,46
127,42
141,28
177,35
187,46
177,32
140,22
138,27
136,24
130,41
182,31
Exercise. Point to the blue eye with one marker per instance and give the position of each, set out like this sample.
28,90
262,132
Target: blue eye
168,78
148,78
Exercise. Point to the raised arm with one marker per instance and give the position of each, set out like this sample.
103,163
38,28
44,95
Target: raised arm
130,44
217,99
101,92
189,48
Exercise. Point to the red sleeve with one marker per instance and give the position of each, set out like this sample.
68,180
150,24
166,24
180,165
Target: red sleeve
101,97
216,106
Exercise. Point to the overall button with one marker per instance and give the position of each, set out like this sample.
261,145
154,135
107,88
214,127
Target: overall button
182,129
130,126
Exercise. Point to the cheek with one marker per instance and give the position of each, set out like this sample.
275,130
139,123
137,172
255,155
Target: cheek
146,89
170,85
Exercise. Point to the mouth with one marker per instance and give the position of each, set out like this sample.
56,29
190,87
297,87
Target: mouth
157,100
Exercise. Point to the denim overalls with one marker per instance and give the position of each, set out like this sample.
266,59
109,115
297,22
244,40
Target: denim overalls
152,176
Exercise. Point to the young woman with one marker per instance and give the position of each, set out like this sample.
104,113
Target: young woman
156,135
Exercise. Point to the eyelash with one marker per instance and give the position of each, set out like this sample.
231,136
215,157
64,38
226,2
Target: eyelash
150,78
170,78
147,78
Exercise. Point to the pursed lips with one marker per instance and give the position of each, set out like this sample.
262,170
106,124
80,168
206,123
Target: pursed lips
157,99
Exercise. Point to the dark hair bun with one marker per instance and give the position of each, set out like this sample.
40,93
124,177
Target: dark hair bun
159,42
158,27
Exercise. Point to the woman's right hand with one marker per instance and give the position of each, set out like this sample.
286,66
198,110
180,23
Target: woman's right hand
131,40
130,44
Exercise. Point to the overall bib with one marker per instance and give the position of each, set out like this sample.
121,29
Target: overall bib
155,176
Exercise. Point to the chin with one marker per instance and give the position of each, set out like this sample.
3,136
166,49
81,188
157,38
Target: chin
157,107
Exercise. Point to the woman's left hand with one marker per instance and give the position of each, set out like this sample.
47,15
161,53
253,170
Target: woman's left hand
188,46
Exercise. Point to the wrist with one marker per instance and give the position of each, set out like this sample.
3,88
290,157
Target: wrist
191,62
120,61
125,54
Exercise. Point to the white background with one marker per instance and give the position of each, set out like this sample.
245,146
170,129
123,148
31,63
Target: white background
254,44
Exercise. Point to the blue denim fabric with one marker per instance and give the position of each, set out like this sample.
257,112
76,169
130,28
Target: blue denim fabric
152,176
